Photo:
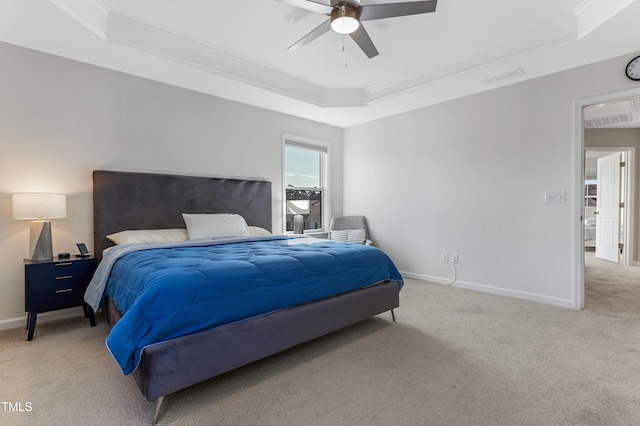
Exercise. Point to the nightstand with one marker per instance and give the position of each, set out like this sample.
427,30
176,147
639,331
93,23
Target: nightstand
56,284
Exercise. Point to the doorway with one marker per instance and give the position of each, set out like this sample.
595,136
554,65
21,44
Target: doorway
608,280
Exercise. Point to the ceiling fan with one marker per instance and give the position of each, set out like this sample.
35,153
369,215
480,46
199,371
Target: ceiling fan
346,17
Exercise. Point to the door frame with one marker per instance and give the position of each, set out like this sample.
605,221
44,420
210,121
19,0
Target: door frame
578,187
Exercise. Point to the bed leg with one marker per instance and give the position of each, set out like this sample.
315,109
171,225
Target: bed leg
393,316
156,416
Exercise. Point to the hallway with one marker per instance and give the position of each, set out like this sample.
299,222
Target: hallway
611,288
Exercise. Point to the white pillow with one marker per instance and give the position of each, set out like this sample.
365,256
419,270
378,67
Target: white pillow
149,236
220,225
256,231
356,236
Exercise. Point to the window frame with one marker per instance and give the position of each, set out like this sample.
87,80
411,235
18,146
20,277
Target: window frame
324,149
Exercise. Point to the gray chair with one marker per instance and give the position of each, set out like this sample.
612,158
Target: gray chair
349,228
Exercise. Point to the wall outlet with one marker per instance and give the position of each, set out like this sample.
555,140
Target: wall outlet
454,259
444,257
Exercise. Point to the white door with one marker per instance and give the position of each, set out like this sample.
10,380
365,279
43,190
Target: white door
608,208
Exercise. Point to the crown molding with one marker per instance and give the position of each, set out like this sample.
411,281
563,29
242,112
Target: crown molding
127,31
91,14
591,14
527,40
123,30
120,29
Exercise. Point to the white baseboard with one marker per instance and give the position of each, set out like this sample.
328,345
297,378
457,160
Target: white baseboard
533,297
43,317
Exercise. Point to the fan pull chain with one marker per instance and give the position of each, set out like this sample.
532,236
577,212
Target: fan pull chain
346,62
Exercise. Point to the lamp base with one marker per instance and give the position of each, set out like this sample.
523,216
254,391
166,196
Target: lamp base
298,224
40,242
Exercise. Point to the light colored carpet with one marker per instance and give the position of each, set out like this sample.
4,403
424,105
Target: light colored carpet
611,288
454,357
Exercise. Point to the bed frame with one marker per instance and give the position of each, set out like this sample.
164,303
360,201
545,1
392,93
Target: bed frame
124,200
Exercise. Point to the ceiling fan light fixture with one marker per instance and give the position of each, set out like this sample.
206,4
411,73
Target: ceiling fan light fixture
344,20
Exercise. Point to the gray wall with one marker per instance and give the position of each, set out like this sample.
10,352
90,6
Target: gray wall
469,176
60,120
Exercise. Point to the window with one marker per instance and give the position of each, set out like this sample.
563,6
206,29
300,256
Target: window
305,185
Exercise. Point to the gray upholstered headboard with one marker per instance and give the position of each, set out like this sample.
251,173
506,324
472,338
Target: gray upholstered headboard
126,200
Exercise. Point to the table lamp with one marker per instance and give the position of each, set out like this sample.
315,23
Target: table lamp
298,208
39,208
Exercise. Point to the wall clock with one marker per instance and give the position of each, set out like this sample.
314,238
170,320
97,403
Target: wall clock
633,69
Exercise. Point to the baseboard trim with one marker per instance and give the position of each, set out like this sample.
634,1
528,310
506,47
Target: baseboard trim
10,323
430,278
515,294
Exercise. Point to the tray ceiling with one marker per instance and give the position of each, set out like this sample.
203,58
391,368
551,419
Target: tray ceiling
238,49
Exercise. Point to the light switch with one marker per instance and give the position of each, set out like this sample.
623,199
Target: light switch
554,196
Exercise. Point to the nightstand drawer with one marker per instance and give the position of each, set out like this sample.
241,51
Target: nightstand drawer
57,269
51,285
61,298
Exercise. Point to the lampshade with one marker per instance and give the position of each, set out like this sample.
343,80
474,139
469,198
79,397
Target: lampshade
344,20
39,206
298,207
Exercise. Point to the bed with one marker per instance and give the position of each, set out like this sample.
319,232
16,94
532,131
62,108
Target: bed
137,201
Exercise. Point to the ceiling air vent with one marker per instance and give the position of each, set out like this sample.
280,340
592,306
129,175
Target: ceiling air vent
607,121
503,77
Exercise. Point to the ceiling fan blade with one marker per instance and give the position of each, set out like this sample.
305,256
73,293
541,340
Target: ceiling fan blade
322,7
317,32
390,10
362,39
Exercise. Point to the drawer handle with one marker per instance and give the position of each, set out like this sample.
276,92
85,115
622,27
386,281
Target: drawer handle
64,277
64,264
66,290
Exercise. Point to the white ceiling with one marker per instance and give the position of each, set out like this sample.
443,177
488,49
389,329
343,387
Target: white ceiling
238,49
622,113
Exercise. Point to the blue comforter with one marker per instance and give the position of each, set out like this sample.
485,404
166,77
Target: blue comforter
167,291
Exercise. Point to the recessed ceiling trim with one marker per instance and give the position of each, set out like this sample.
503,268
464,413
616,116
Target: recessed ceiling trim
526,40
91,14
133,33
117,28
591,14
355,97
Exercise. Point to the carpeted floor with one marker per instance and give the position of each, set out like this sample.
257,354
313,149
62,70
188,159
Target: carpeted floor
454,357
611,288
